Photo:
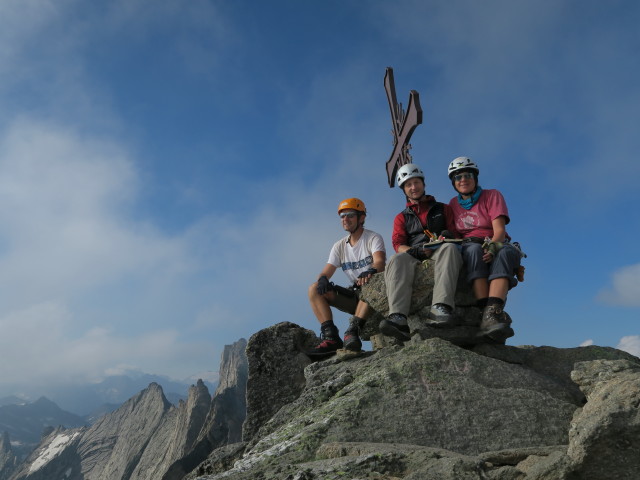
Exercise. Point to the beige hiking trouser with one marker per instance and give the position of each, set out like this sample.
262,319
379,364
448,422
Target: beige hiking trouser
400,271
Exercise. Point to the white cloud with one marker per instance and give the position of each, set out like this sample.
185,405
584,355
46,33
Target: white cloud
66,216
90,286
624,289
586,343
630,344
46,348
87,285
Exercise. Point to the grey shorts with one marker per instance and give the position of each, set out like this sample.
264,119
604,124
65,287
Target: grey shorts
504,265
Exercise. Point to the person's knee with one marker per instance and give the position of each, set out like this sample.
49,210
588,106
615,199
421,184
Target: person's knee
396,262
399,258
313,292
510,254
510,280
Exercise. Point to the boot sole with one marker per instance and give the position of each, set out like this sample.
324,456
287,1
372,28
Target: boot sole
320,354
353,346
498,333
391,331
449,323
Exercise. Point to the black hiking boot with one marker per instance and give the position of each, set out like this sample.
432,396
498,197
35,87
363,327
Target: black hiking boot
329,344
352,336
395,325
442,315
495,324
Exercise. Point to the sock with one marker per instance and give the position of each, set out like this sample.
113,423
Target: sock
495,301
327,324
357,321
482,302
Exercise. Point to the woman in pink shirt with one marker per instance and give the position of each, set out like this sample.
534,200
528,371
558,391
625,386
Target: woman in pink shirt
480,217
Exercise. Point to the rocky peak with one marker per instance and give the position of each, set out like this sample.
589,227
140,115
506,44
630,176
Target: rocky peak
223,423
175,436
5,443
8,460
112,446
233,365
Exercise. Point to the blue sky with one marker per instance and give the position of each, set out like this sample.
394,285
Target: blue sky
170,171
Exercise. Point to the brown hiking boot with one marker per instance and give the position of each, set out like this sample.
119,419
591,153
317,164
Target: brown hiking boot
495,323
330,343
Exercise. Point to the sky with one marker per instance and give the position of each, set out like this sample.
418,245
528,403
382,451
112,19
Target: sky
170,171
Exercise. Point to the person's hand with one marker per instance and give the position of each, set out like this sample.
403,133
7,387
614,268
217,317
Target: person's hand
324,285
488,256
419,252
364,277
490,249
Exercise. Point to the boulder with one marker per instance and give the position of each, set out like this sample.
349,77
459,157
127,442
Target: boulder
276,371
604,438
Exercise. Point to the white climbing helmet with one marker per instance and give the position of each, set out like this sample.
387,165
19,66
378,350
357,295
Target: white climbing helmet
462,163
407,171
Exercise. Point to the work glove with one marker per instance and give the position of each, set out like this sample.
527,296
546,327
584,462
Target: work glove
324,285
419,252
491,247
366,273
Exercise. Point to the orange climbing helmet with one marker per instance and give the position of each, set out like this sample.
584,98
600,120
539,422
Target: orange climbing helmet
352,204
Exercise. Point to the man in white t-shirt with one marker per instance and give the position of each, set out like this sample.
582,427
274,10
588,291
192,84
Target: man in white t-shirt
360,255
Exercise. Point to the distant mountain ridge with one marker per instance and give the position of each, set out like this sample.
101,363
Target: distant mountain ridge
85,399
25,422
147,436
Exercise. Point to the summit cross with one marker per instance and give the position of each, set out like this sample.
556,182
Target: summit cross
404,123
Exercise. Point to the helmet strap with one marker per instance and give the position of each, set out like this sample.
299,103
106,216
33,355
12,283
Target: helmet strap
358,225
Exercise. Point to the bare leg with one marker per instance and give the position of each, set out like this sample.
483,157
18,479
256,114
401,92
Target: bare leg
499,288
320,304
481,288
362,310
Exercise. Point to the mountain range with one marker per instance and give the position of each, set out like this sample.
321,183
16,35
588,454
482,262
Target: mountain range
26,422
86,399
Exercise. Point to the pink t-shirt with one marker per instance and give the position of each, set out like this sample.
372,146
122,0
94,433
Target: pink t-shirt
476,222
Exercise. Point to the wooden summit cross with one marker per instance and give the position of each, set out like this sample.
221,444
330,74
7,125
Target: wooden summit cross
404,123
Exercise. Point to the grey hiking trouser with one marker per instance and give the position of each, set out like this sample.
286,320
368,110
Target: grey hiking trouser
400,271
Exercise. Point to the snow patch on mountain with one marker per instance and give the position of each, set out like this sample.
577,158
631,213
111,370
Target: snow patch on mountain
55,447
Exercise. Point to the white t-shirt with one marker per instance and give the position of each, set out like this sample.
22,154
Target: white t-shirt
355,260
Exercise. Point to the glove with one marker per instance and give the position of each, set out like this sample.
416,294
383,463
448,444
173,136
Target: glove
491,247
419,252
324,285
366,273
